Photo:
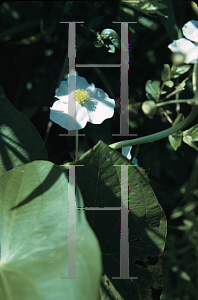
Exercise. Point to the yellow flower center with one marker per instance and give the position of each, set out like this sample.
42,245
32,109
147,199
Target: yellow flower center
81,96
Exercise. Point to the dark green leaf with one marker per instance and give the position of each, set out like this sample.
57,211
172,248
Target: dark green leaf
20,142
99,180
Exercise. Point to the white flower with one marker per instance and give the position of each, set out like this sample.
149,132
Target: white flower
188,47
92,105
190,30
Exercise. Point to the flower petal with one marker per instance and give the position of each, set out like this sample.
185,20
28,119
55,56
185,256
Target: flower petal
59,114
181,45
126,151
82,116
81,83
190,30
100,107
62,93
186,47
135,162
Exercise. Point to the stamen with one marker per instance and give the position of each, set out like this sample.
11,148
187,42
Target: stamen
81,96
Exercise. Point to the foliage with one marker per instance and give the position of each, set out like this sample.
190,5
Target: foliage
36,160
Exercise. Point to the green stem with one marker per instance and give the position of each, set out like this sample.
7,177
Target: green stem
76,154
159,135
195,81
175,101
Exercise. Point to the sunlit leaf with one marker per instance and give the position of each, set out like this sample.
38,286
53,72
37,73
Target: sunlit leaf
177,71
147,7
34,237
169,83
175,141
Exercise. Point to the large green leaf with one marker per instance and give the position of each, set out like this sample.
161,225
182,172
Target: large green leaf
19,140
34,237
99,181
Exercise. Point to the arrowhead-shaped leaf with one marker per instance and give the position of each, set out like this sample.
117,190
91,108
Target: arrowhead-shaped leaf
34,237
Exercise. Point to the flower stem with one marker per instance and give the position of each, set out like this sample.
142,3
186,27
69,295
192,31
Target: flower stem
167,116
76,154
175,101
159,135
195,81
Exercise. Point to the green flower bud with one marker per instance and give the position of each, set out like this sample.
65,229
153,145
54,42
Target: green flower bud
149,108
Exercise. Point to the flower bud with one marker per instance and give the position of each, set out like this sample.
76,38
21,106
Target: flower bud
149,108
178,58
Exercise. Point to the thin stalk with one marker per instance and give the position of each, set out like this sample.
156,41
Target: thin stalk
76,154
175,101
159,135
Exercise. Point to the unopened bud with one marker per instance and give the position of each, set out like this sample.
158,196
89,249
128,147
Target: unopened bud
149,108
178,58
